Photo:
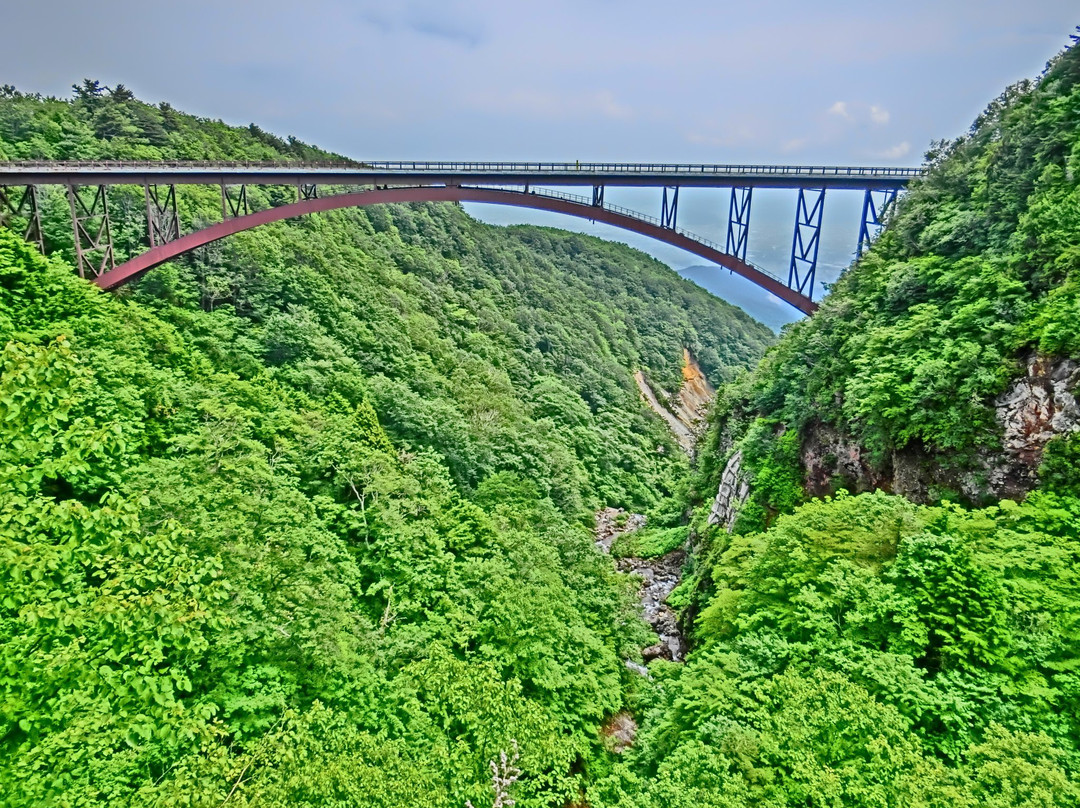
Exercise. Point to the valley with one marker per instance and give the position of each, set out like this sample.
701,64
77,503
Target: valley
385,506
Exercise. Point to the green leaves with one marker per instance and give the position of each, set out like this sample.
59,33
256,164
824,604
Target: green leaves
215,571
962,605
977,267
864,650
867,651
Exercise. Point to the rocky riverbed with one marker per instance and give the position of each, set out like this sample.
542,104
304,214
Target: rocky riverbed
659,576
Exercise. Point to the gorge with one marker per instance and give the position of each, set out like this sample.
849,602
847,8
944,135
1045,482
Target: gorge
340,510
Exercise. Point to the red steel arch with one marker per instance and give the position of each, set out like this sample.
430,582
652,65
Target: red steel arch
451,193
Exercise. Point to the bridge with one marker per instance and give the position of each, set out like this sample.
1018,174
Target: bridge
329,186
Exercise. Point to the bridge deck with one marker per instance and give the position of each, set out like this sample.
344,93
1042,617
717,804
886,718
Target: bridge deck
455,173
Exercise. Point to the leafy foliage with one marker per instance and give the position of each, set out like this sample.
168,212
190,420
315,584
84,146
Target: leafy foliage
301,519
502,349
204,573
867,650
977,270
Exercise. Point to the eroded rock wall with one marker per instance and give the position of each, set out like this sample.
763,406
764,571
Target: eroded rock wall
731,494
685,411
1036,408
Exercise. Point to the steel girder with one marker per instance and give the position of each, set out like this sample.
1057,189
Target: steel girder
95,256
669,210
806,240
874,211
582,208
162,220
99,172
738,229
23,204
234,207
92,230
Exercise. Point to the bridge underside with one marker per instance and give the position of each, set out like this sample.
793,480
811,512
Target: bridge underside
162,253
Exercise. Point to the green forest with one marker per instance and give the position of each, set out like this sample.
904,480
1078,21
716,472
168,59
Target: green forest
305,517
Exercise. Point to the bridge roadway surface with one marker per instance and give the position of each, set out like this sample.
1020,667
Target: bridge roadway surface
518,184
702,175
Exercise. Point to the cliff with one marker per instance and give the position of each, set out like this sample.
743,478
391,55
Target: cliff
685,412
943,364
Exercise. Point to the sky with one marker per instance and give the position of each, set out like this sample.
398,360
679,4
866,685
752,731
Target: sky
770,81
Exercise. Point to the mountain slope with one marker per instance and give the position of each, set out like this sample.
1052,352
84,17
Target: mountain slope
887,650
505,349
903,380
301,518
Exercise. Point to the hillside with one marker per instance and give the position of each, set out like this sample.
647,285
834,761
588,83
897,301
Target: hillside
464,337
883,593
303,515
301,519
911,377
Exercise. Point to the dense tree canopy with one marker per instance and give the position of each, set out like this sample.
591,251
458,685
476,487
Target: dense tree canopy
867,650
504,349
301,518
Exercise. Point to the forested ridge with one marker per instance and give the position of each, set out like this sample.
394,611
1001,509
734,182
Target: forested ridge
852,646
304,518
301,519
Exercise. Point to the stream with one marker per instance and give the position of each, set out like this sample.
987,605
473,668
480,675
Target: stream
659,576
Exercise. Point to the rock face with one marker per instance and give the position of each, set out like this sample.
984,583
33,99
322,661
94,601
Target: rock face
732,493
696,394
686,411
659,576
619,732
1036,408
831,460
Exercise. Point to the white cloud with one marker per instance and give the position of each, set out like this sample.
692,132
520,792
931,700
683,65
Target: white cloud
793,145
879,114
840,109
895,152
858,112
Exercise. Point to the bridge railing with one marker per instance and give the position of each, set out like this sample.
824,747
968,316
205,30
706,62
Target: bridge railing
202,165
650,168
422,167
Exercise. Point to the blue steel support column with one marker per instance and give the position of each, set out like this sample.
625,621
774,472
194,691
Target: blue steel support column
807,238
873,216
598,196
738,229
668,211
